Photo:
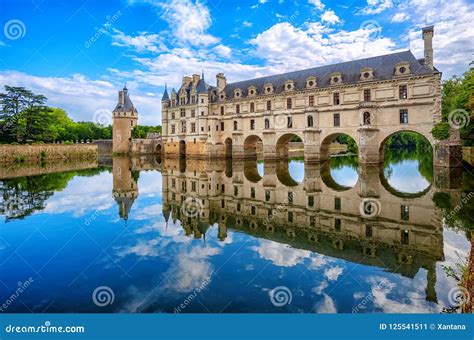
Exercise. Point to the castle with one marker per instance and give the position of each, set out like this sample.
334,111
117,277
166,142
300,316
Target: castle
369,100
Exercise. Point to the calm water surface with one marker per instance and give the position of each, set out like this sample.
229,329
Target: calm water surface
220,236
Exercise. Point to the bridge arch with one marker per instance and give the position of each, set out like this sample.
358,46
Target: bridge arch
253,147
331,182
384,140
325,148
283,142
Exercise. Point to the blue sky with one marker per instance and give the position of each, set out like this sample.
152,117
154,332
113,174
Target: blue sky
79,53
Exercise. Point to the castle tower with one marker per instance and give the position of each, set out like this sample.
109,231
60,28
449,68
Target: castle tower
125,118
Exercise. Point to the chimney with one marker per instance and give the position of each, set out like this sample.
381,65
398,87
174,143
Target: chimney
221,81
428,33
196,78
121,98
186,80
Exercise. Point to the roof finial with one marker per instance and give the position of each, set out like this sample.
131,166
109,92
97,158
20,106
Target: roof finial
125,87
202,74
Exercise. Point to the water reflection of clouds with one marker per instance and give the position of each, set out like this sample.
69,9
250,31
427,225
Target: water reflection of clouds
405,177
345,175
296,170
81,195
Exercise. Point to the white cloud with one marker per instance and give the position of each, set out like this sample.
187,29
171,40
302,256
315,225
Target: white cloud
294,48
320,288
223,51
327,305
400,17
280,254
317,3
332,274
330,17
376,6
189,21
143,42
247,24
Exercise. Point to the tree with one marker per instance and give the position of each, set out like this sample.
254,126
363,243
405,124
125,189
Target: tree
13,103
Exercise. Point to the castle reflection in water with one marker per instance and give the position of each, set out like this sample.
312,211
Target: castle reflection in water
369,223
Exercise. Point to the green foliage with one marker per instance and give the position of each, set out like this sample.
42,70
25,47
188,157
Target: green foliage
441,131
458,93
442,200
351,144
141,131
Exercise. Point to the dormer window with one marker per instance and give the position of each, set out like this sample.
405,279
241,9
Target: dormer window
289,85
222,96
402,68
268,88
252,91
366,73
336,78
311,82
237,93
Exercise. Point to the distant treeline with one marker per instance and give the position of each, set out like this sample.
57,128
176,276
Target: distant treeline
25,118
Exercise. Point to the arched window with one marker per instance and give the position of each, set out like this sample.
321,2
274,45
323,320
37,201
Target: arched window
235,125
366,118
288,103
310,121
267,123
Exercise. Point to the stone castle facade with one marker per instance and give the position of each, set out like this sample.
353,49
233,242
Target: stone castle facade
369,100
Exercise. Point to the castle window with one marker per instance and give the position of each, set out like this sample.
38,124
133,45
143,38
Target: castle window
252,192
403,116
202,128
337,119
367,95
236,190
237,108
173,183
289,122
193,127
193,186
337,203
289,103
310,121
368,231
217,127
404,212
310,201
238,207
253,210
182,112
252,107
336,100
235,125
222,110
337,224
183,127
252,124
193,99
193,113
402,69
222,126
403,92
173,116
366,118
131,123
267,123
173,129
202,113
311,101
290,216
269,105
405,237
202,100
267,195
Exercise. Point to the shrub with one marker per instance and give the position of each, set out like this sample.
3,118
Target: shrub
441,131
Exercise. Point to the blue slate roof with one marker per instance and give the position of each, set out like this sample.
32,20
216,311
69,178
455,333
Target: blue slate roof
383,66
127,105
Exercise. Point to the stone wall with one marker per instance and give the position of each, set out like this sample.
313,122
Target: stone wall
468,154
104,146
45,153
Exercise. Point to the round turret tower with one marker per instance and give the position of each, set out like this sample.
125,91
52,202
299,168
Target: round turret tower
124,119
